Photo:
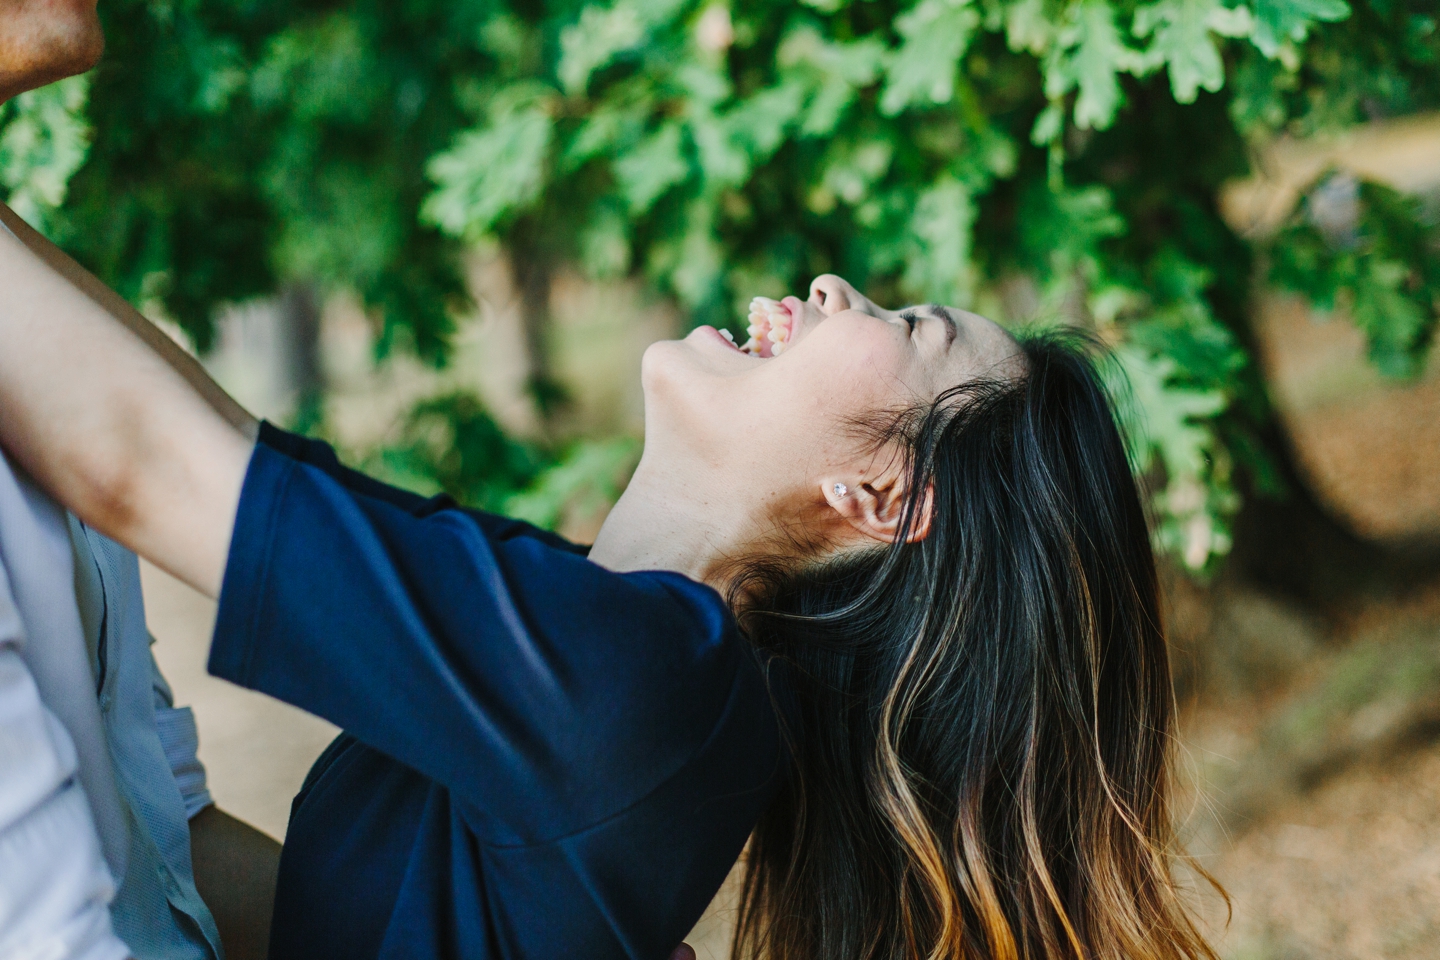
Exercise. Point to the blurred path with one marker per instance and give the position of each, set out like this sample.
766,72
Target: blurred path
255,749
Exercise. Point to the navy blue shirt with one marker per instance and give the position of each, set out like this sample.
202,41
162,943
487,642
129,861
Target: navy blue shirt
542,758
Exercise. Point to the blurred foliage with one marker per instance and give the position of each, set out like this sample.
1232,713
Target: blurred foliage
1367,248
450,444
1033,159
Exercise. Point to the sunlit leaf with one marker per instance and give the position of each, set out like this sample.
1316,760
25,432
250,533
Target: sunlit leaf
940,269
490,171
1278,21
1183,43
1088,55
922,70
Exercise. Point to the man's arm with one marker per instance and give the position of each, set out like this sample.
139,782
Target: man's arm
234,866
180,361
235,871
111,428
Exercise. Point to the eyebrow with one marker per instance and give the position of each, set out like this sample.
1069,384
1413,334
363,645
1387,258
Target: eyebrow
940,312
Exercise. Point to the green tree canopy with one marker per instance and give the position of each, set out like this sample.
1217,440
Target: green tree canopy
1031,159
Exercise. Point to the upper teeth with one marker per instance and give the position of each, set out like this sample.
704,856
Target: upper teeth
769,326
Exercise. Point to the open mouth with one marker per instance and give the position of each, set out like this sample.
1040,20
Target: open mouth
770,329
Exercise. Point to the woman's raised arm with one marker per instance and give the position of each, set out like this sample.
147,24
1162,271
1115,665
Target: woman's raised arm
112,418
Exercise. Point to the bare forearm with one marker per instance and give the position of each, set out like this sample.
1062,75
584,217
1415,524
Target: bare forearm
109,427
236,867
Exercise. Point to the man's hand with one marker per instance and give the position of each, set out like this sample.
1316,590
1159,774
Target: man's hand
235,871
42,41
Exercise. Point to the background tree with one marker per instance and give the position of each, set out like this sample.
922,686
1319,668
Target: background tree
1037,160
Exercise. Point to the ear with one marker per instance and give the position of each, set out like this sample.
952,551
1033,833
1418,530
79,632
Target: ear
875,507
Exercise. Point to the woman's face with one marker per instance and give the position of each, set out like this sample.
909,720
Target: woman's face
779,425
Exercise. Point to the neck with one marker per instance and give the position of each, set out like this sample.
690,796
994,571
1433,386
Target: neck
666,521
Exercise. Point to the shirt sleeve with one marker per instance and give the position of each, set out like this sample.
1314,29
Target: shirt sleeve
322,456
546,692
55,888
180,739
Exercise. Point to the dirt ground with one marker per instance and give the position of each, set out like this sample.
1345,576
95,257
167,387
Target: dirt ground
1349,872
1315,780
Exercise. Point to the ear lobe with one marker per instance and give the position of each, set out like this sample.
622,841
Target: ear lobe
875,510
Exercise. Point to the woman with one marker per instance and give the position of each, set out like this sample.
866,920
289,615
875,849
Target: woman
886,599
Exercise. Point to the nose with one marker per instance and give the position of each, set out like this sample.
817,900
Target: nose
833,294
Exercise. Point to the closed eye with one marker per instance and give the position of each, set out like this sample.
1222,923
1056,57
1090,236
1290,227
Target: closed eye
912,316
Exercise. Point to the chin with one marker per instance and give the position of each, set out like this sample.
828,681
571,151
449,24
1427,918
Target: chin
679,389
663,368
85,40
44,42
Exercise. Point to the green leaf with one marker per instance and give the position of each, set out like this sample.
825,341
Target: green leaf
1278,21
1048,125
723,159
1062,232
731,143
594,42
940,269
829,73
490,172
1258,90
318,70
603,33
652,168
1385,266
1165,418
922,71
762,121
1394,323
851,168
587,478
1088,55
1027,27
1183,42
616,123
451,443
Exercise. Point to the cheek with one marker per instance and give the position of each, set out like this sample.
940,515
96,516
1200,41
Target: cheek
858,381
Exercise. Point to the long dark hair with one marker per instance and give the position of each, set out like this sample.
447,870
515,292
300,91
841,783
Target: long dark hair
984,718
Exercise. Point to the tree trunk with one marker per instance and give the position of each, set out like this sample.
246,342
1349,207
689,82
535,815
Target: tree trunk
533,263
300,331
1298,547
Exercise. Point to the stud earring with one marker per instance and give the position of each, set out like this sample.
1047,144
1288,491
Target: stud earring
841,489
